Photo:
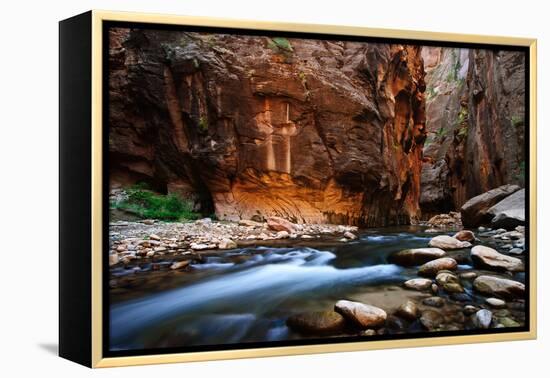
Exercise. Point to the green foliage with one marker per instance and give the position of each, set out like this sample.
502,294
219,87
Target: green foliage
279,44
452,75
463,131
148,204
430,93
521,174
516,120
440,132
203,124
462,115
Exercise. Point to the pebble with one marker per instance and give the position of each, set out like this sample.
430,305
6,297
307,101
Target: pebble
482,319
154,237
495,302
434,302
515,251
469,310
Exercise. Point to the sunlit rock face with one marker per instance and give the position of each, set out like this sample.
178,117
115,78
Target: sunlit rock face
475,111
313,131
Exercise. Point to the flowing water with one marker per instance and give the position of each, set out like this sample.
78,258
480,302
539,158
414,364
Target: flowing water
246,294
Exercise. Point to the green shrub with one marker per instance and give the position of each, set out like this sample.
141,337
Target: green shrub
280,43
147,204
203,124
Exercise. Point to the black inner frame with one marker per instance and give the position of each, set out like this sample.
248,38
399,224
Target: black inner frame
106,25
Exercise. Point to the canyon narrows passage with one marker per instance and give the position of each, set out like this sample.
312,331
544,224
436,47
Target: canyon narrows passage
270,188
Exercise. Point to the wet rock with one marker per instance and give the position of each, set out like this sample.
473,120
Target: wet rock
490,258
474,211
508,322
448,242
431,319
468,275
431,268
418,284
227,244
199,246
510,212
434,301
350,235
364,315
113,259
368,332
432,231
180,265
395,323
500,287
416,256
280,224
408,310
121,248
469,310
482,319
465,235
323,322
461,297
495,302
435,288
516,251
449,282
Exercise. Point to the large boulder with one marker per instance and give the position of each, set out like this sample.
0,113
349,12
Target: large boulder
280,224
416,256
448,242
474,211
361,314
431,268
499,287
487,257
510,212
318,323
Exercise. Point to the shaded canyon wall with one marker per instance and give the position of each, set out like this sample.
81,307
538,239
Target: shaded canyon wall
475,110
314,131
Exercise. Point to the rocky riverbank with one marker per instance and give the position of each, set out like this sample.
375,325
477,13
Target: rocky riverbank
447,280
149,239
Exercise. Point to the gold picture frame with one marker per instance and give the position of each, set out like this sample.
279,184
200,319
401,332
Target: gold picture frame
94,22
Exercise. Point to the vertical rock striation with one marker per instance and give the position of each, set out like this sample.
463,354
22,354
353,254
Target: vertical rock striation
310,130
475,107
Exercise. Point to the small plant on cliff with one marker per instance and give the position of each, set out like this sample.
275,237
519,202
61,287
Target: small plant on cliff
430,93
279,44
440,133
281,47
147,204
516,120
203,124
521,174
